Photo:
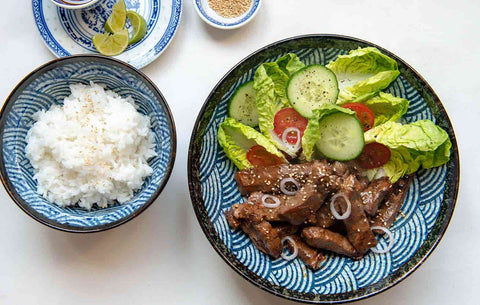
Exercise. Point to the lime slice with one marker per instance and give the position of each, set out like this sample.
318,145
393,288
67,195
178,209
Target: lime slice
116,21
111,44
139,26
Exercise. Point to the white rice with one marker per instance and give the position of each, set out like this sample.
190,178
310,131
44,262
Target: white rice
92,150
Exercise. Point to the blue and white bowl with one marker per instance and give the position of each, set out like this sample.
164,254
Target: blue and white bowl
212,18
49,85
68,32
425,214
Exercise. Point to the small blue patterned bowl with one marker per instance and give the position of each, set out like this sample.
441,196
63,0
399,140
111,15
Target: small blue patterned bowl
49,85
212,18
425,215
74,4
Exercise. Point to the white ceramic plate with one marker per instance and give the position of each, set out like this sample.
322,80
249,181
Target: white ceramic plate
68,32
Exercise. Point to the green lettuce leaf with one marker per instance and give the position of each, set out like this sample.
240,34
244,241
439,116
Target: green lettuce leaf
362,72
290,64
236,139
385,107
312,133
414,145
270,82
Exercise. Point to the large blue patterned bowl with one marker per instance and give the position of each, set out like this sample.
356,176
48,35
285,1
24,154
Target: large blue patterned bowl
425,215
49,85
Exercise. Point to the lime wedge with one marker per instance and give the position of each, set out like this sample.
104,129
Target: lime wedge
111,44
139,26
116,21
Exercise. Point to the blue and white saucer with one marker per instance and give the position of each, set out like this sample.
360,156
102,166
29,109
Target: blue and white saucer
68,32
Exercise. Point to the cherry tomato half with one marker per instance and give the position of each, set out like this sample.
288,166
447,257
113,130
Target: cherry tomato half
374,155
289,117
364,114
258,156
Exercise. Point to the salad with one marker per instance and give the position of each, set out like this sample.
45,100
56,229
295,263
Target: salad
322,152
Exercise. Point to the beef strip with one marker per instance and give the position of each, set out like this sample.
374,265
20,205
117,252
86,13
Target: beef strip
252,209
358,228
302,206
387,213
297,209
324,217
374,194
264,237
285,229
351,183
309,256
344,168
267,178
325,239
233,221
346,184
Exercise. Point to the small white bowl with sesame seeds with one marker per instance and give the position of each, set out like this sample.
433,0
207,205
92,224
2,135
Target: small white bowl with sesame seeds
227,14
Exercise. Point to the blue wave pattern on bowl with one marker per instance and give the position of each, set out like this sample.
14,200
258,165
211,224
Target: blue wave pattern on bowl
253,9
418,214
80,25
51,88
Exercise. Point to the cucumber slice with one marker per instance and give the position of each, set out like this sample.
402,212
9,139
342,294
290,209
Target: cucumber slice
242,106
311,87
341,137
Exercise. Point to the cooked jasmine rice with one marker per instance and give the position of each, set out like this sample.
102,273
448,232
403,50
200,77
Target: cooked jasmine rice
92,150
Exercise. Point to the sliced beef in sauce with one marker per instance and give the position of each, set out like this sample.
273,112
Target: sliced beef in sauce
374,194
325,239
264,237
353,183
285,229
302,206
297,209
387,213
318,181
357,226
233,221
267,178
309,256
324,216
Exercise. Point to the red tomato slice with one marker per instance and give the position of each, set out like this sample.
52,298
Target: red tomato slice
374,155
289,117
364,114
259,156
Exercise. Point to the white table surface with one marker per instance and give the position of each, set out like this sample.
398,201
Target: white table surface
162,256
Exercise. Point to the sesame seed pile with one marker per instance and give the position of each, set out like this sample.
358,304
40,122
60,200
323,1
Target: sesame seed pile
230,8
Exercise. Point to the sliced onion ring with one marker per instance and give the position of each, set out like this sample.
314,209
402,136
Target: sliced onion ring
284,189
299,138
335,213
391,239
270,205
380,173
295,249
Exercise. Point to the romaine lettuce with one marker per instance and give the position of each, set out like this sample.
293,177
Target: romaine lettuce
236,139
385,107
270,83
414,145
362,72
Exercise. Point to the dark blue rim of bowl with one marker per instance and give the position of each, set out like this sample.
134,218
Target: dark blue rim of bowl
428,246
22,204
